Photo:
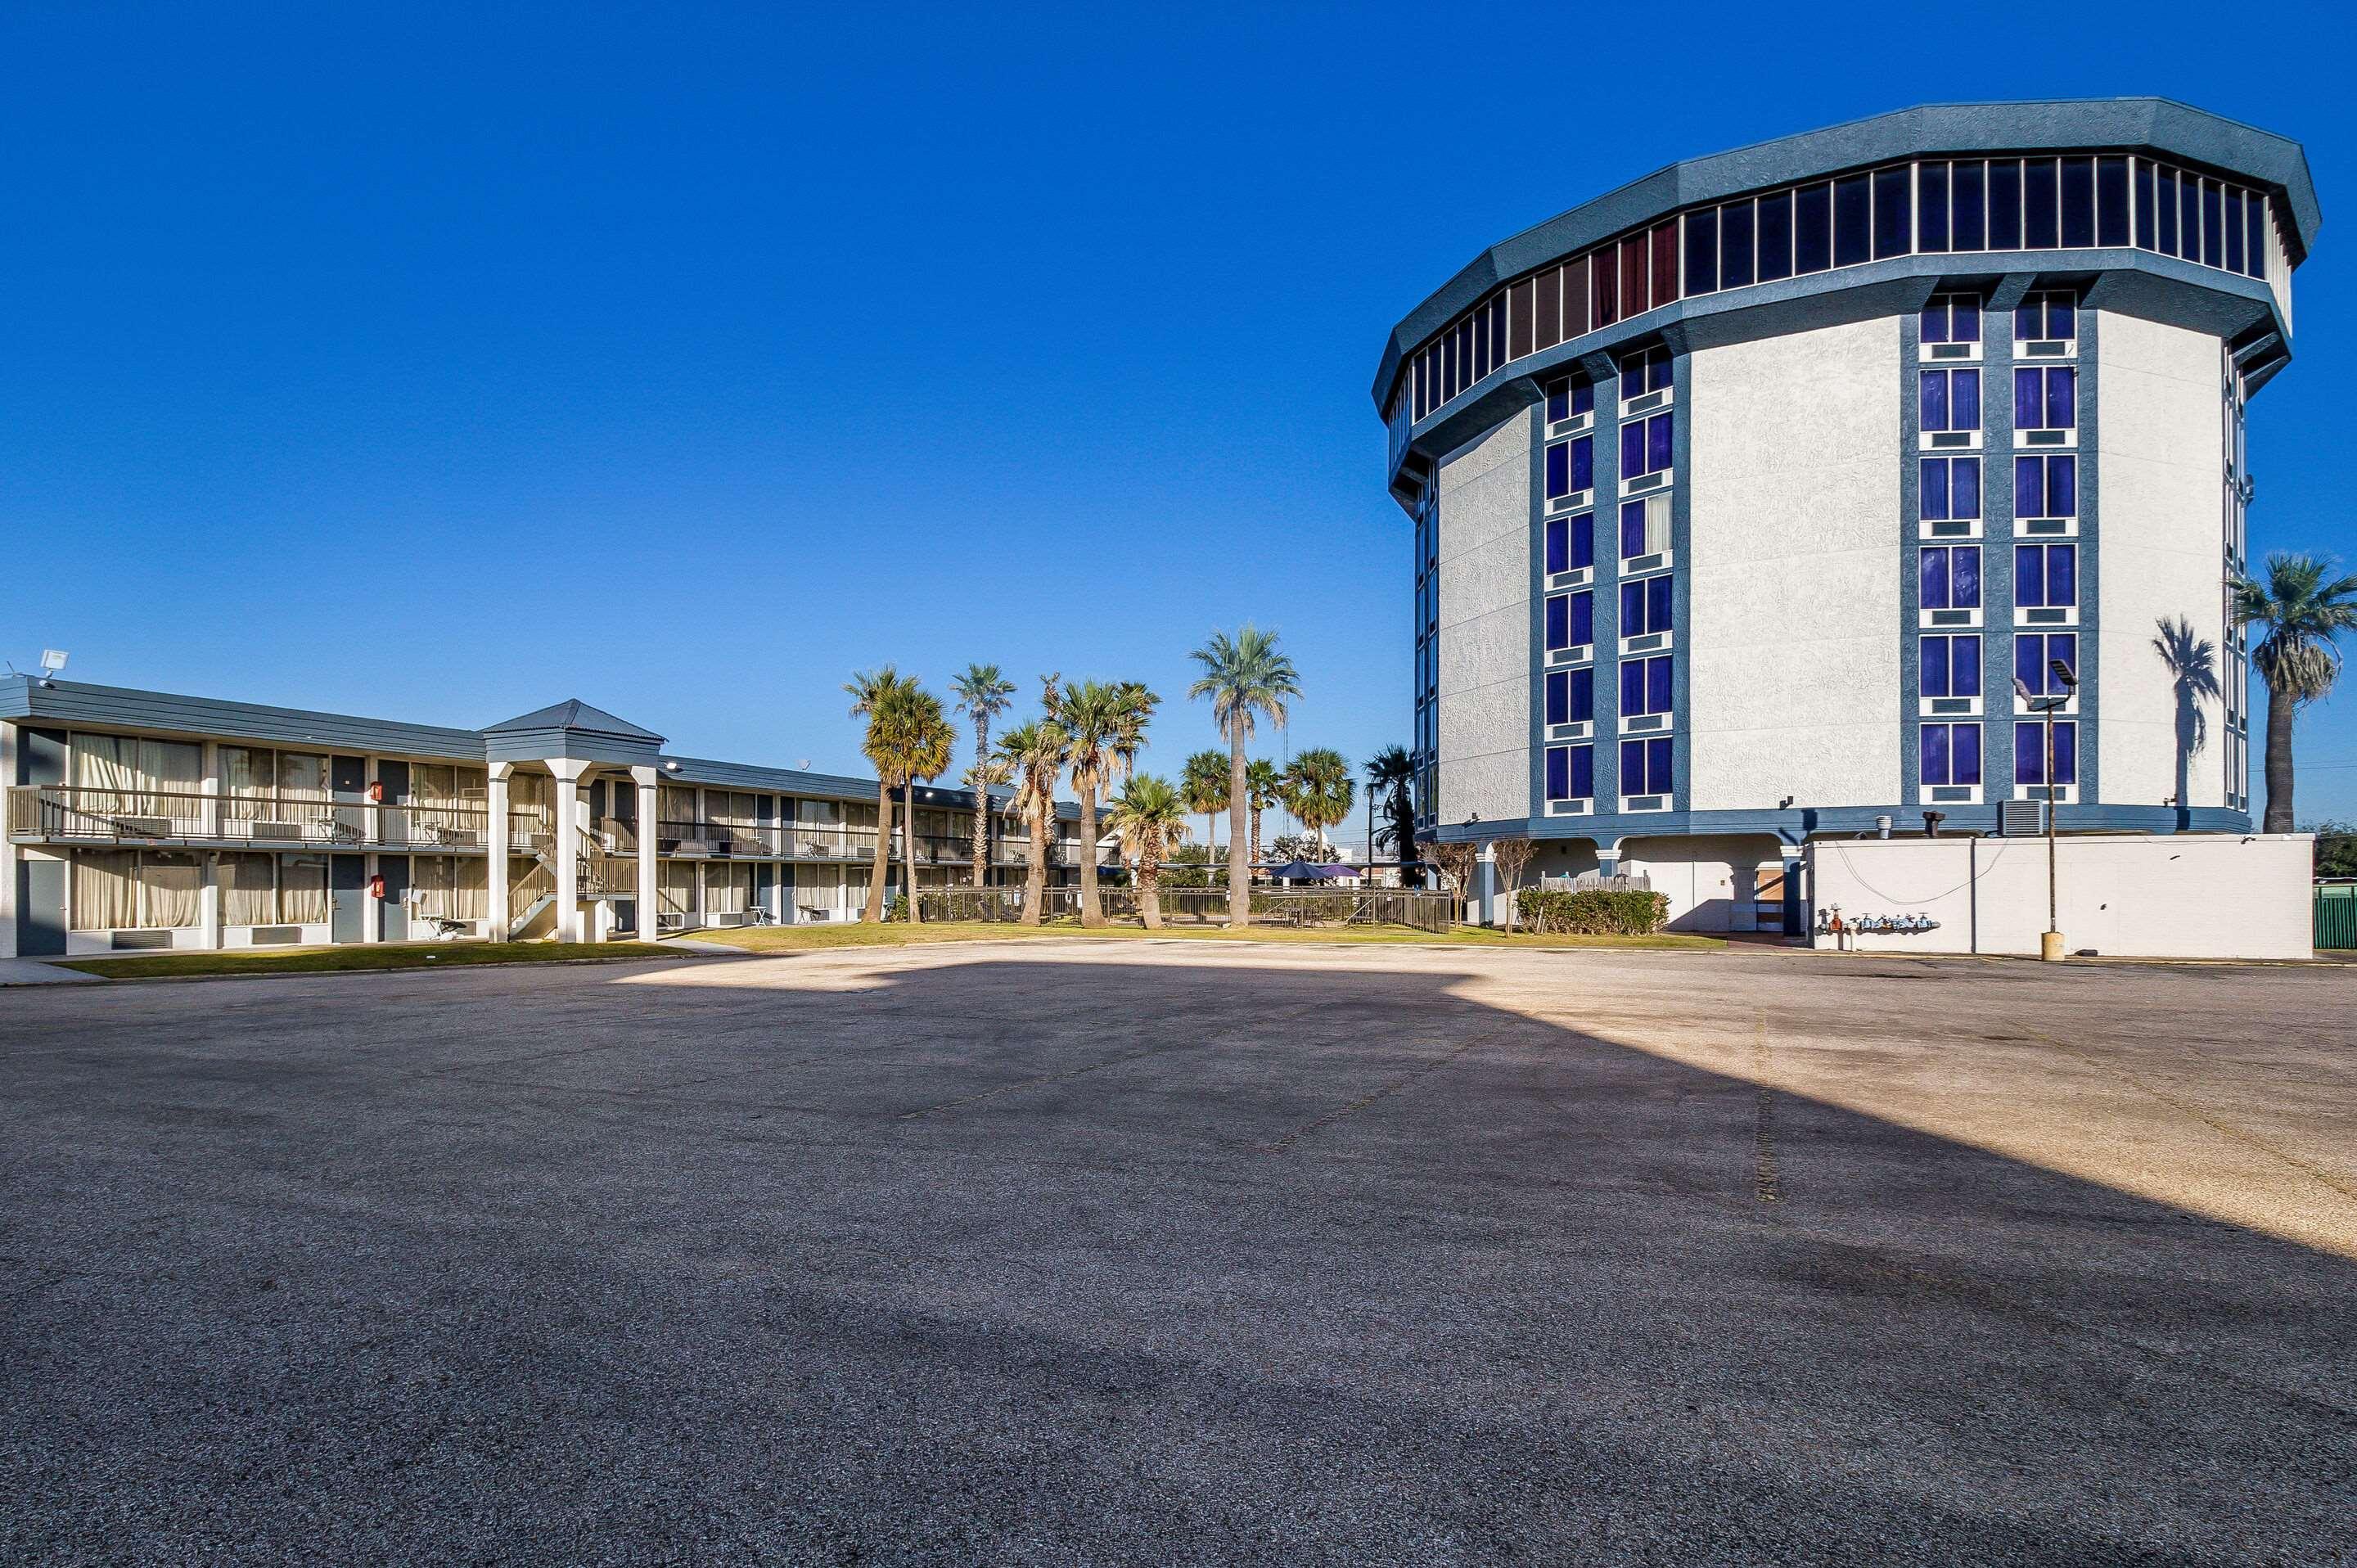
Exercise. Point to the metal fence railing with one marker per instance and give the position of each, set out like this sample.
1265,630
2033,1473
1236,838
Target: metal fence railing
76,814
1206,907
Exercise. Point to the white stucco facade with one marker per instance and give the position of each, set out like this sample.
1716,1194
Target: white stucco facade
1486,626
2160,481
1795,558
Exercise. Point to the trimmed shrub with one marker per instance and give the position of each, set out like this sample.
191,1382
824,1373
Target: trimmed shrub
1592,912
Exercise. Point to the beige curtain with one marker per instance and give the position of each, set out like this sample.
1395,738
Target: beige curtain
248,890
249,775
472,784
302,777
105,762
728,889
303,889
105,891
431,887
172,885
431,784
676,888
470,892
673,804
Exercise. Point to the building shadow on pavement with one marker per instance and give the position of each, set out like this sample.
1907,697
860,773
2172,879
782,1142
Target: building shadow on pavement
1046,1259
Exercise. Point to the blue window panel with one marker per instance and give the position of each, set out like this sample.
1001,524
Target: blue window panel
1894,211
1933,755
1583,397
2004,204
1632,768
1931,664
1965,744
1632,449
1964,399
2061,574
1931,207
1933,588
1964,486
2029,399
2029,486
1965,319
1964,666
1558,623
1583,696
1558,544
2235,231
2188,217
2079,201
1583,772
1968,203
1583,619
2040,230
1948,577
1735,256
1559,470
1776,236
1632,377
2255,241
2063,485
1632,687
1933,325
1812,235
1558,697
2214,242
1657,603
1583,541
1932,400
2165,210
2061,316
1632,529
2030,752
2110,202
1657,685
1852,220
1933,487
2066,753
1702,250
1657,766
1632,610
1583,462
1558,401
1659,432
2146,190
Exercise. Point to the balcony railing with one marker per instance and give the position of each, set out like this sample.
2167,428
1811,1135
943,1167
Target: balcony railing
61,813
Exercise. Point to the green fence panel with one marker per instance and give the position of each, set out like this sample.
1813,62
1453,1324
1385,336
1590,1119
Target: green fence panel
2336,915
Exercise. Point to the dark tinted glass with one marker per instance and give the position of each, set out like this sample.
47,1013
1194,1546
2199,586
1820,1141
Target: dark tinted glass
1558,623
1932,208
1547,310
2004,204
1812,229
2079,201
1933,499
1583,772
1665,262
1558,702
2188,217
2255,241
1657,603
1558,770
1968,204
1776,236
1893,211
1702,250
1558,544
2144,234
2040,228
2165,211
2234,230
1657,685
1604,268
2110,202
1735,242
1583,541
1632,687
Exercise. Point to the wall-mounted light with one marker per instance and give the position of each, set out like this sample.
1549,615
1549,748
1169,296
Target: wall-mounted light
670,767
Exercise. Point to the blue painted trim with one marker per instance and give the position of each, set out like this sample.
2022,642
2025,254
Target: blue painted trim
1801,824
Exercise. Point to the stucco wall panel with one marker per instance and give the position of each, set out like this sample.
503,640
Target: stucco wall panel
1485,626
1794,561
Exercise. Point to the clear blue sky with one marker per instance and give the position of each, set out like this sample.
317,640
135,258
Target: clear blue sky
712,353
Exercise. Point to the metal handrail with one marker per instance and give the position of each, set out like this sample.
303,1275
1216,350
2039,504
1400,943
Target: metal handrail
85,814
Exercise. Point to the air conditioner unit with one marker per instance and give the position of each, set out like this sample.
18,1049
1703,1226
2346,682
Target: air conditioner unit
2021,819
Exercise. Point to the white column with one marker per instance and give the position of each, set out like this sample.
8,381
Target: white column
209,905
495,835
372,909
567,772
649,880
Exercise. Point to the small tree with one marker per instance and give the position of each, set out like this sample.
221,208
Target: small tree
1512,854
1456,861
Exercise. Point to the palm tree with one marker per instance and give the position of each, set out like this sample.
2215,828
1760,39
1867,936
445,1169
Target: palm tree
1034,755
982,694
2193,662
1243,676
1263,791
1104,724
1150,817
1318,790
916,743
1391,775
1203,782
871,692
2304,610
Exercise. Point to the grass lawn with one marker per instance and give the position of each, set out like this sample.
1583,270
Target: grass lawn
324,961
804,939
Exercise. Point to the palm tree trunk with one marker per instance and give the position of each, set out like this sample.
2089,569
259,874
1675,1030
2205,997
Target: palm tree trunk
1091,914
981,803
2281,709
1035,869
1238,872
1149,881
881,873
908,847
1255,835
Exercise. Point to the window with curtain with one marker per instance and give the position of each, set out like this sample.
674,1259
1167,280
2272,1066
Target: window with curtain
303,890
676,888
170,889
728,889
249,776
675,803
470,898
249,886
105,889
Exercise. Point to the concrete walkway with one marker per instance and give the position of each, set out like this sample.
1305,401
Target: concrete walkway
36,972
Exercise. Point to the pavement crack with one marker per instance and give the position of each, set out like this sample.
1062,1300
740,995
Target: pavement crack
1384,1092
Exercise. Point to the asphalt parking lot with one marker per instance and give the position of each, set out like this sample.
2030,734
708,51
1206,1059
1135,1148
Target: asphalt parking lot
1068,1252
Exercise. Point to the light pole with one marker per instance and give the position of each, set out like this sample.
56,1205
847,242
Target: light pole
2049,945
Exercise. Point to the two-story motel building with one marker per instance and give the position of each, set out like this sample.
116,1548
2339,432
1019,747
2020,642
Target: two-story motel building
1745,494
141,820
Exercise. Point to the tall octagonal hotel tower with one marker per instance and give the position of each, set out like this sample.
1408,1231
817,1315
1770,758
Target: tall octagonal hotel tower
1750,496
